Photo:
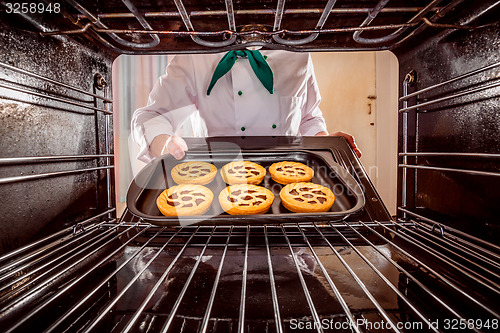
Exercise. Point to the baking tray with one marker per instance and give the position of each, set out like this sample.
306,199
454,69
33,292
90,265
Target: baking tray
155,178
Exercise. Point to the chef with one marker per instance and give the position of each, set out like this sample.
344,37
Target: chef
240,93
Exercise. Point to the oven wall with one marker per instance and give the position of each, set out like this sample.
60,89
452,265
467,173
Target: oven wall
467,124
40,126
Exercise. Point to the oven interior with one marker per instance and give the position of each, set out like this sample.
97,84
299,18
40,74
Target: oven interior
68,264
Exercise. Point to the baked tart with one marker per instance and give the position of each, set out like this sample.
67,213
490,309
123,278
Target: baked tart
290,172
242,172
306,198
184,200
243,199
194,173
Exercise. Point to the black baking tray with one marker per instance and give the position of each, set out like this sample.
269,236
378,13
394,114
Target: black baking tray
155,178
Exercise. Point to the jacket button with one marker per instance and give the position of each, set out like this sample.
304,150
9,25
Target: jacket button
274,126
242,128
240,92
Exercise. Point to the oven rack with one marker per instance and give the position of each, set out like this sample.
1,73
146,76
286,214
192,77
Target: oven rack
391,30
105,262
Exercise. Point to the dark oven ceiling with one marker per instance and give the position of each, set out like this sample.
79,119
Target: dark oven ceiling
131,26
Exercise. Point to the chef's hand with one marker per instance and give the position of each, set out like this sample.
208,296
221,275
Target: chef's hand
349,139
166,144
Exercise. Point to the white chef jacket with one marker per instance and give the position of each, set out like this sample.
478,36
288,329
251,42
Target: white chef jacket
238,105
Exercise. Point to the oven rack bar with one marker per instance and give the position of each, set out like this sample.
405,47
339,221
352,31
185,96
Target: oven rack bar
50,158
60,237
446,98
58,83
468,171
138,238
287,11
53,98
16,179
96,26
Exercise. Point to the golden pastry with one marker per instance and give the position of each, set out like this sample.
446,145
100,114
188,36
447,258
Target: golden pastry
184,200
306,198
194,173
290,172
242,172
245,199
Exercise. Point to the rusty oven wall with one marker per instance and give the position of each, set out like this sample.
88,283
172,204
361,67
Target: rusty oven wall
39,126
468,124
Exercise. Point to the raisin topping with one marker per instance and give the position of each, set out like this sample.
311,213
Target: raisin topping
248,168
176,203
188,205
205,170
308,195
287,166
248,176
182,174
312,202
198,194
279,169
236,192
294,192
186,198
299,199
196,166
304,189
242,204
242,172
247,197
301,173
255,172
238,167
321,199
185,192
173,196
171,203
230,171
256,203
185,169
251,191
318,192
198,201
193,171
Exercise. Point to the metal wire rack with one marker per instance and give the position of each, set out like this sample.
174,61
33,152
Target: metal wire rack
481,83
287,26
351,276
71,99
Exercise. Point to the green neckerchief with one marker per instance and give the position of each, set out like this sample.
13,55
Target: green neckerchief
257,61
